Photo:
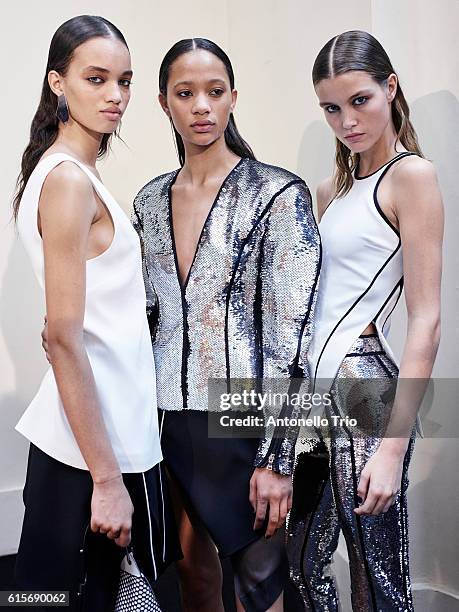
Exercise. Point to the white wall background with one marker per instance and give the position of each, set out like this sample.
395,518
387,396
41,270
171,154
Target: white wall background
272,44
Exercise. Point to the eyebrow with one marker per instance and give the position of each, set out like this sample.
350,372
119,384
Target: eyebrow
191,82
106,71
362,92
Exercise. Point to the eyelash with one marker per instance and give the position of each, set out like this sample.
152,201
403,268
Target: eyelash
218,92
123,82
332,106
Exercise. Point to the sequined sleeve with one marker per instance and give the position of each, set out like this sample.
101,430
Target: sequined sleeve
152,300
289,276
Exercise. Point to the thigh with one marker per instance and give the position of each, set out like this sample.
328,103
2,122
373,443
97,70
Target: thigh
377,545
380,567
200,555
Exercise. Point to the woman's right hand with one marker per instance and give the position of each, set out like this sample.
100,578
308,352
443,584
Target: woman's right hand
111,510
44,339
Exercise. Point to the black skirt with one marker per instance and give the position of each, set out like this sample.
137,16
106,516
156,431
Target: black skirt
54,553
213,475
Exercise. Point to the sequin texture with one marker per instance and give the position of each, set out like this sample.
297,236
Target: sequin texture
377,545
246,309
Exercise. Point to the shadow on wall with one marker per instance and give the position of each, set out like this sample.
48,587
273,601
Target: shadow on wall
436,120
316,155
434,496
433,504
21,320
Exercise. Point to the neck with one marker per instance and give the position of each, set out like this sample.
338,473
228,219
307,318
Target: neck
207,163
81,142
381,152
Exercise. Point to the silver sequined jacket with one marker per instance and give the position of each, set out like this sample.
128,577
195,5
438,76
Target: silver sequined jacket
246,308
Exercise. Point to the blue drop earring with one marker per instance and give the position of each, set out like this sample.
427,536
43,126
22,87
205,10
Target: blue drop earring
62,111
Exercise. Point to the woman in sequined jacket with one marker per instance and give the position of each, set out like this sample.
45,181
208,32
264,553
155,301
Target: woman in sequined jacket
231,265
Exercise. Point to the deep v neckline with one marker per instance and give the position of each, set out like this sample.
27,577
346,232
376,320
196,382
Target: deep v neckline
184,285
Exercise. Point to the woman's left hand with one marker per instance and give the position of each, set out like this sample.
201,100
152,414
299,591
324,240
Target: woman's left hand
380,481
270,493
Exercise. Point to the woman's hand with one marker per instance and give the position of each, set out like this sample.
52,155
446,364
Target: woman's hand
111,510
381,478
267,488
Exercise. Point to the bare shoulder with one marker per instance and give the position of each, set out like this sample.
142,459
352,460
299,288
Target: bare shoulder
67,176
69,189
415,189
324,195
414,172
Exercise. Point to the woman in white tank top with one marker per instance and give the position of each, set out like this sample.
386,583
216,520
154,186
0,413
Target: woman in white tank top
95,451
381,223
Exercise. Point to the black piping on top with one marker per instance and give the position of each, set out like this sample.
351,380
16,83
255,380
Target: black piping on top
398,156
375,199
361,296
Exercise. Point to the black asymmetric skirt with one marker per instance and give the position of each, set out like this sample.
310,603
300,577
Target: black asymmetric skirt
213,475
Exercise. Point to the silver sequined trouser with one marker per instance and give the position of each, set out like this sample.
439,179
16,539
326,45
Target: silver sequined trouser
377,545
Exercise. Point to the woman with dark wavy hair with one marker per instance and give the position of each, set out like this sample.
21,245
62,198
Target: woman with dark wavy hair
231,255
381,224
94,482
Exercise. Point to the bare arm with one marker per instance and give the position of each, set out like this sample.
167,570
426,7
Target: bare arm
324,196
67,208
419,210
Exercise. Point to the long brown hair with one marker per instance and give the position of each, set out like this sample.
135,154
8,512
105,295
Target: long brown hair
359,50
45,125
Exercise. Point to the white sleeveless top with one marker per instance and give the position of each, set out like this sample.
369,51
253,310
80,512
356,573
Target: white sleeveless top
361,277
116,339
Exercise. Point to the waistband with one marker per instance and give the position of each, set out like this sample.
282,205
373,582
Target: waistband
366,344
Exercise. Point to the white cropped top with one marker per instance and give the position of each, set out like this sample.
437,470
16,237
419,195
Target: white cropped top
361,278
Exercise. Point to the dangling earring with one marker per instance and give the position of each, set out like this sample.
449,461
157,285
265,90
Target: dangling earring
62,110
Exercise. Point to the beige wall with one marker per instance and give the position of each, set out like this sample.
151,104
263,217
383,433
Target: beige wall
272,45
